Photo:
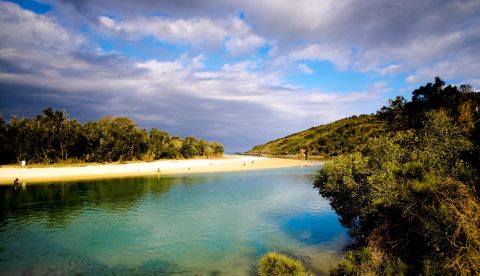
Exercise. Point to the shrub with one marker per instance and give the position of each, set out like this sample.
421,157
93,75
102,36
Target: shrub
406,203
278,264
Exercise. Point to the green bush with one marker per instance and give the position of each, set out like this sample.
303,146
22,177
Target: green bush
407,202
369,261
278,264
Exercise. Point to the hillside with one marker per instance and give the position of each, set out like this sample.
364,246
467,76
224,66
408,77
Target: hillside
410,198
339,137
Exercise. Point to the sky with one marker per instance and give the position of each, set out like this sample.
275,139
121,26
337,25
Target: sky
238,72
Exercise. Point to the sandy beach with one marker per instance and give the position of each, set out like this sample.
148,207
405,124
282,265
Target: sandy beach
163,167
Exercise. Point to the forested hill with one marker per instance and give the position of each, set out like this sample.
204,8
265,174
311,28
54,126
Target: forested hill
411,199
350,135
51,137
342,136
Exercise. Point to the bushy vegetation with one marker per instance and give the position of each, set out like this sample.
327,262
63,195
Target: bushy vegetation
411,199
340,137
272,264
51,138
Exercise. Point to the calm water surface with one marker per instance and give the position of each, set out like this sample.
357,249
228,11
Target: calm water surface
202,224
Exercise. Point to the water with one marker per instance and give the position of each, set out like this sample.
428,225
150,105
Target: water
202,224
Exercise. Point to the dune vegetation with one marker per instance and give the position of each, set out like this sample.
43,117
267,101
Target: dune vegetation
409,194
51,137
340,137
411,199
274,263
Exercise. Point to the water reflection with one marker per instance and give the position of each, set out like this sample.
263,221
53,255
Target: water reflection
193,224
312,228
57,199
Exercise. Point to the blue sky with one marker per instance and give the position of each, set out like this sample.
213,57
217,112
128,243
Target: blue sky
239,72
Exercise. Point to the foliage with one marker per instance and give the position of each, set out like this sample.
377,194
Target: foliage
369,261
350,135
411,199
274,263
53,137
340,137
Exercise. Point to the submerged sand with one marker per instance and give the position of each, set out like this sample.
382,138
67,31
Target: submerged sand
163,167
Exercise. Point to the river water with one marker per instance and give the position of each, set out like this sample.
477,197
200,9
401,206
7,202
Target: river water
197,224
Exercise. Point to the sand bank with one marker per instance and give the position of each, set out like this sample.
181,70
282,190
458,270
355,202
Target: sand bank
163,167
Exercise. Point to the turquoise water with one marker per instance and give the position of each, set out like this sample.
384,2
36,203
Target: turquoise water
200,224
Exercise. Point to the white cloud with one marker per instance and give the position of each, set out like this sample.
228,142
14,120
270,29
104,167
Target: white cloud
322,53
232,33
242,40
23,29
109,23
418,40
410,79
239,66
387,37
244,45
198,61
389,70
198,32
305,69
366,36
180,97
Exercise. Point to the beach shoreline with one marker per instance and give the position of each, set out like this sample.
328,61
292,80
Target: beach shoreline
228,163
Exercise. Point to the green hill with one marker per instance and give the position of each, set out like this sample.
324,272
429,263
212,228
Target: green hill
342,136
410,198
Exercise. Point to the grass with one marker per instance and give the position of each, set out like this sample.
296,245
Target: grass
274,263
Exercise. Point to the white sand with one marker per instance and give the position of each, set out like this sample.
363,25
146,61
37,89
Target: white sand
227,163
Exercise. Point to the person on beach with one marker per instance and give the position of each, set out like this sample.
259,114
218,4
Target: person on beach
15,183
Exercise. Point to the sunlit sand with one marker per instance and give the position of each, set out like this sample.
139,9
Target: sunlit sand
162,167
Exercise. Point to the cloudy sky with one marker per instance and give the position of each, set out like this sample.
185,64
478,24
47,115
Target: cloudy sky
239,72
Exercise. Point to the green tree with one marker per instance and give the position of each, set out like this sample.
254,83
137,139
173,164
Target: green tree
407,202
5,154
174,146
89,142
189,147
20,133
158,144
217,148
52,137
120,139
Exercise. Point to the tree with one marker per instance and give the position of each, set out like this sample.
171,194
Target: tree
189,149
121,139
217,148
174,147
408,202
52,137
5,153
158,144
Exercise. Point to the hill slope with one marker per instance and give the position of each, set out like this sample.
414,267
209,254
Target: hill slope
342,136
